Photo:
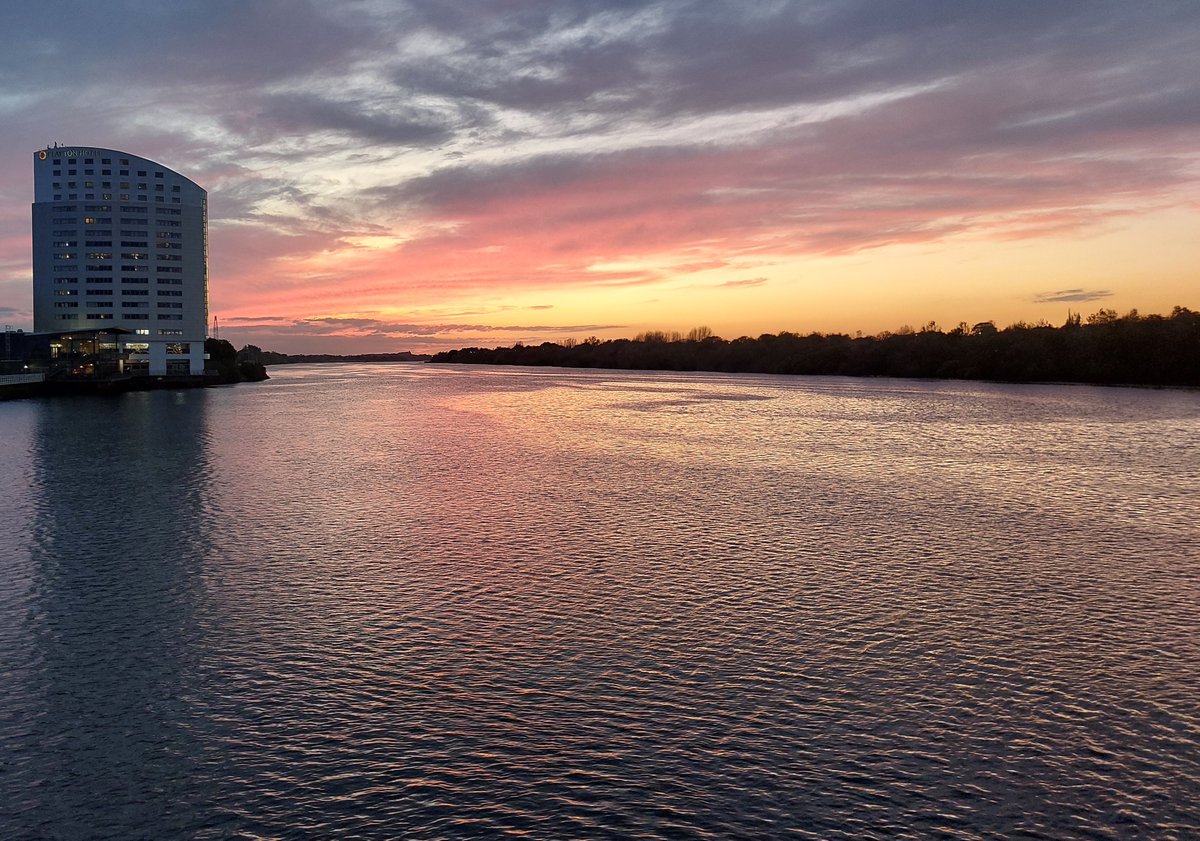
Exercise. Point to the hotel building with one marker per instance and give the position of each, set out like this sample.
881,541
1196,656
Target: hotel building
120,243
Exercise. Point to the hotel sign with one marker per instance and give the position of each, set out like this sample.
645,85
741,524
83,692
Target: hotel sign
72,152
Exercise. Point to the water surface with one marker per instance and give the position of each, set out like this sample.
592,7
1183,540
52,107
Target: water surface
372,602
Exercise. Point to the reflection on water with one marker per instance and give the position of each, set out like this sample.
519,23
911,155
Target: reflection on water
419,601
102,635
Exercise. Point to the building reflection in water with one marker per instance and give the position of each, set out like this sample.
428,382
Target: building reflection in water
119,490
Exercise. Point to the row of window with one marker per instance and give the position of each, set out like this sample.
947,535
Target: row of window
131,316
162,305
92,160
124,196
108,209
69,232
173,281
104,162
107,185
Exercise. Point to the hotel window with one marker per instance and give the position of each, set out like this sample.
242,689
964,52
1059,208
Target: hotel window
57,172
100,279
106,161
72,195
135,304
99,255
71,317
131,291
99,316
66,292
100,304
107,196
158,188
64,255
89,161
175,199
88,184
99,291
158,175
124,172
136,280
169,305
133,316
58,185
66,304
169,317
124,161
70,172
89,195
143,198
106,172
170,293
69,243
124,196
66,280
106,184
72,185
141,173
179,348
58,195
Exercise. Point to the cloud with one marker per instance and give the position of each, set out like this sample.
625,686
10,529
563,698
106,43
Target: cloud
1071,296
753,281
369,156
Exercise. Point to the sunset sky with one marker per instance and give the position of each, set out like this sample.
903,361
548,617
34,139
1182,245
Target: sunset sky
419,175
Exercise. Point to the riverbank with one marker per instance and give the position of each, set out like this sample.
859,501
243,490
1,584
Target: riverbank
1107,349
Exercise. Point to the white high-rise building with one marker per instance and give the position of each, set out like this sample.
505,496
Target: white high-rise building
121,242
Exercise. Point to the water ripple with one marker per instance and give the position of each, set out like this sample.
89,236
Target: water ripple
371,603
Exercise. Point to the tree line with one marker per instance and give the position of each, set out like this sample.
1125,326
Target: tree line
1105,348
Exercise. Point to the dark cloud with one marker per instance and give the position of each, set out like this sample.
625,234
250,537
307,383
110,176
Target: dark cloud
1071,296
396,125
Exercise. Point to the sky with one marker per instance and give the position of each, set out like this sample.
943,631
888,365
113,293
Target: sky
428,174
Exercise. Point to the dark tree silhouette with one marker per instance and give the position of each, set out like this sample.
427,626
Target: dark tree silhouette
1106,348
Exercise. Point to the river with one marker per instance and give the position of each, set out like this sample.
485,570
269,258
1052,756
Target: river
417,601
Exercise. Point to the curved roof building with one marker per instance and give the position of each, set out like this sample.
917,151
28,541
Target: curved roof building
121,241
